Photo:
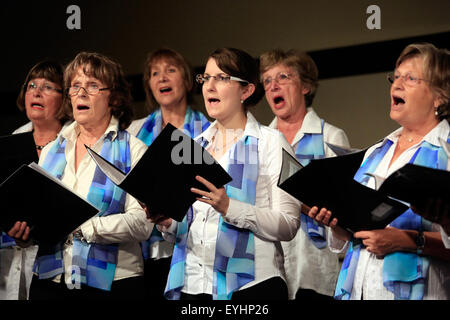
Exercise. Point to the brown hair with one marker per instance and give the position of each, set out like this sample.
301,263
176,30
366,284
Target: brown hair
238,63
49,70
109,72
436,71
300,62
179,61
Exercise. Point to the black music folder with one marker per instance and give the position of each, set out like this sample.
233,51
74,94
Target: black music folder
17,149
50,209
412,183
329,183
164,175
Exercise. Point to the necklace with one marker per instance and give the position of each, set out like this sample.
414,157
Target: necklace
215,142
40,147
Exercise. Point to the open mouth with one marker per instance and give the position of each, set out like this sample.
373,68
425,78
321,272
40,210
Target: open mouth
278,100
397,100
213,100
165,90
82,107
37,106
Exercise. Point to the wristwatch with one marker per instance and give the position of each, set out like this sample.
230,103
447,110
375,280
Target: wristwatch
420,242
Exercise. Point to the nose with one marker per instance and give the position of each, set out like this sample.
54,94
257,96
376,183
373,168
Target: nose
162,77
398,83
274,86
210,85
82,92
37,92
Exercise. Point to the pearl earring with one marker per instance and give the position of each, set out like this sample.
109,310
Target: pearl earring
242,101
436,113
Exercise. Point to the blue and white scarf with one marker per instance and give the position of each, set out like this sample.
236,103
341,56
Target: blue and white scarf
6,241
311,146
96,263
234,263
194,124
404,273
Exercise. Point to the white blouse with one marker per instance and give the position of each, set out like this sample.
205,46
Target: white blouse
127,229
308,267
368,282
273,218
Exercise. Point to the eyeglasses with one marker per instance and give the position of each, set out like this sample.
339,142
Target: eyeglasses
92,89
281,78
45,88
408,79
201,78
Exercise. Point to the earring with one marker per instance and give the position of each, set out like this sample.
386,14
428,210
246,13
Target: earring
242,101
436,113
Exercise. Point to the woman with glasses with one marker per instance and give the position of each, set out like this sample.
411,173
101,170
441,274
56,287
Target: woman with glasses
290,80
41,99
228,245
407,259
168,88
102,259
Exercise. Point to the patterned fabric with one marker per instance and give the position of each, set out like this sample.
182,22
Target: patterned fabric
235,252
308,148
404,273
6,241
96,262
194,124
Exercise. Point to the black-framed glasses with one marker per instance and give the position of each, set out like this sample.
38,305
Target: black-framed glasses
280,78
45,88
91,89
408,79
221,78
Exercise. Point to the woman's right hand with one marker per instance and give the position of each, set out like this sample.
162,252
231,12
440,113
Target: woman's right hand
20,232
323,216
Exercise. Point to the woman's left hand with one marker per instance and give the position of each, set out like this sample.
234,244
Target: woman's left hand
216,197
384,241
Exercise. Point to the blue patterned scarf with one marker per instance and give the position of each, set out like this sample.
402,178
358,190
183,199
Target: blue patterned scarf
6,241
194,124
404,273
96,263
234,264
308,148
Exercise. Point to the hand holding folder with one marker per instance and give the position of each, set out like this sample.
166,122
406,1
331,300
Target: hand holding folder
163,177
328,183
50,209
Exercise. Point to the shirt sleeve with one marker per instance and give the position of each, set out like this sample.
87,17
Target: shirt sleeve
334,136
278,218
131,225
